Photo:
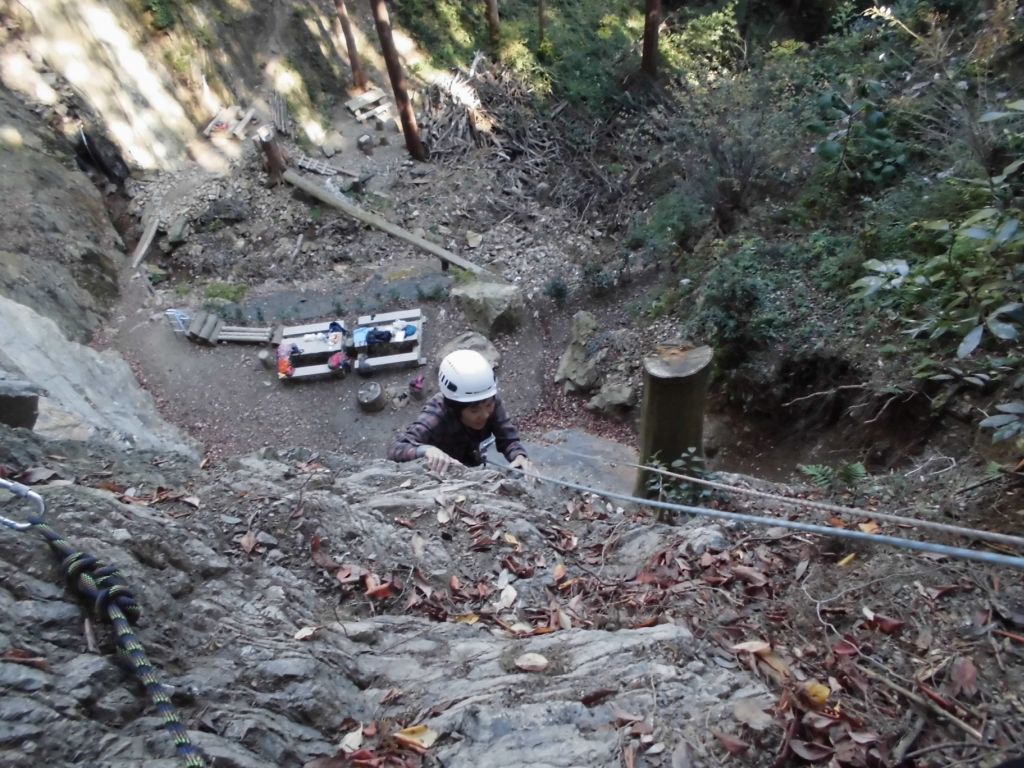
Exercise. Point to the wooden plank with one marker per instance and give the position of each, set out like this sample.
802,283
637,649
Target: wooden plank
302,330
146,241
239,130
243,338
246,329
380,223
221,116
384,317
382,361
378,110
372,95
309,370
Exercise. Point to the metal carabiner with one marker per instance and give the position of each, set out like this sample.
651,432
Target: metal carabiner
26,493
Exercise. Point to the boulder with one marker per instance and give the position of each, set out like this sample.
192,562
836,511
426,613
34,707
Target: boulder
578,369
476,342
491,308
615,395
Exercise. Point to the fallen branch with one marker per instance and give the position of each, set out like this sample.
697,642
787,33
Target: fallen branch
336,201
967,728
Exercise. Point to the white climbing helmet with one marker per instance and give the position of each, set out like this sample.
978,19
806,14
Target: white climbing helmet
465,376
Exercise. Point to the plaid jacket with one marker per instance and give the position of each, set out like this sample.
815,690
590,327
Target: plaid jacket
440,426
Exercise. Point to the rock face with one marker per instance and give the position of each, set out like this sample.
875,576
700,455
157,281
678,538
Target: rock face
256,615
60,255
85,393
476,342
579,366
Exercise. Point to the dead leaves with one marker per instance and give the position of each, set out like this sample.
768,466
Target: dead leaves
379,745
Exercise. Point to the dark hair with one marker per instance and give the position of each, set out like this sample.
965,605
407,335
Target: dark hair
454,405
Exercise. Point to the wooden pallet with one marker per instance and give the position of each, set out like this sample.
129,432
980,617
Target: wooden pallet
369,104
316,166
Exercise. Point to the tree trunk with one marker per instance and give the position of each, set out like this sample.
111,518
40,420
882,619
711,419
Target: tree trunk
672,414
540,25
493,22
652,20
397,77
358,76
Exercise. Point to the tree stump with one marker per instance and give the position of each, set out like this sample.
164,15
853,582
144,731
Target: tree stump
276,158
672,414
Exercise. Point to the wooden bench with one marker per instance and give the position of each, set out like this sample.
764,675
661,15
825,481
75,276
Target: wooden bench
410,354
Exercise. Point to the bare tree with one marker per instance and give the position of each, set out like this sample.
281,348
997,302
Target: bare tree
652,20
397,77
493,22
358,77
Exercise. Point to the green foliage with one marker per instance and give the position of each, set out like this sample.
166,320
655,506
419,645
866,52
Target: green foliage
162,13
859,142
1008,423
828,478
598,280
674,220
700,44
972,287
233,292
557,290
675,489
736,315
462,276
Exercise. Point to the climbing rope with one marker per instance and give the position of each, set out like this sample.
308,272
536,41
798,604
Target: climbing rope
108,595
839,533
971,533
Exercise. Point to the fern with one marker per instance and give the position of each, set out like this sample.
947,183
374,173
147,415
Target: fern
821,475
827,478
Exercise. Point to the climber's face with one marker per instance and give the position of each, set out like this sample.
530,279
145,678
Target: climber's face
475,415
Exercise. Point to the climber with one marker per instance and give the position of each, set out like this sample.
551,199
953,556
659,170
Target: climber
454,422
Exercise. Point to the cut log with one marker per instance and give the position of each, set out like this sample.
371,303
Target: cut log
672,414
324,195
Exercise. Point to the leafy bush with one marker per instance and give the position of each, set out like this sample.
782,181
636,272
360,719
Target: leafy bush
858,138
973,286
598,280
1008,424
697,41
557,290
736,315
675,219
233,292
676,490
162,13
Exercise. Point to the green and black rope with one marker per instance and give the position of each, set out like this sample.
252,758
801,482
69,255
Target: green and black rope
106,591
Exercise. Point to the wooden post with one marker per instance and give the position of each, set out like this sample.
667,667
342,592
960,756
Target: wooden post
397,77
672,414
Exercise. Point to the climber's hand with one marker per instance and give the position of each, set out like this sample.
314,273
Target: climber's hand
521,462
438,461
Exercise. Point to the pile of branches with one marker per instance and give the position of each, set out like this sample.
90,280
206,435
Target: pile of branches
489,109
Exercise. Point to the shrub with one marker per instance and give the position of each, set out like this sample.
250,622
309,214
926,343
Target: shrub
557,290
233,292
